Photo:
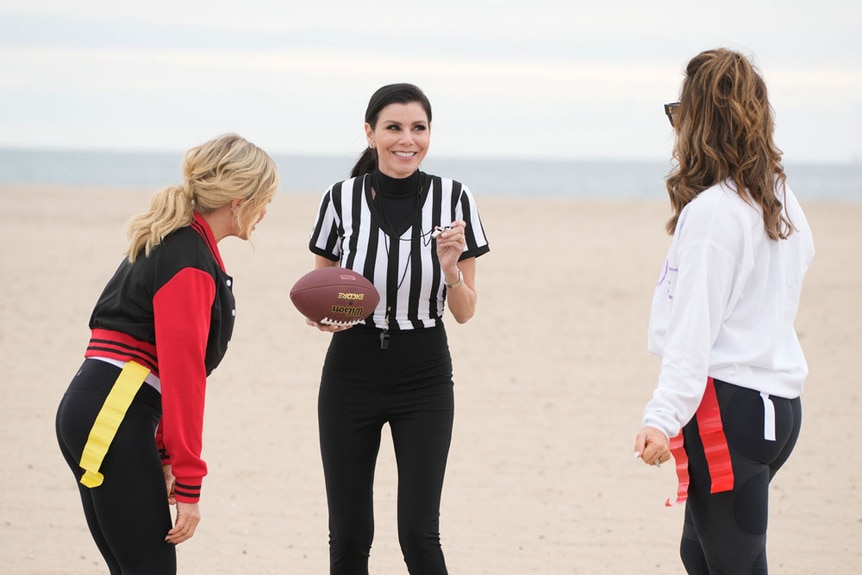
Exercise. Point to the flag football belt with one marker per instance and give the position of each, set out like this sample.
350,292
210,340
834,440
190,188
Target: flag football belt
714,448
108,421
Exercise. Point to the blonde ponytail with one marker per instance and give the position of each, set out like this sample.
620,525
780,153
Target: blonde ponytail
170,209
215,173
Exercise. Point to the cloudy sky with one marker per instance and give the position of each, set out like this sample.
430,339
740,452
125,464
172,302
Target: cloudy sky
528,78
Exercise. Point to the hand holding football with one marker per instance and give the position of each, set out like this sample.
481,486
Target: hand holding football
334,296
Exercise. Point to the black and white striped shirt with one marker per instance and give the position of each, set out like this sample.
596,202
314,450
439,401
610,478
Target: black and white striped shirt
405,270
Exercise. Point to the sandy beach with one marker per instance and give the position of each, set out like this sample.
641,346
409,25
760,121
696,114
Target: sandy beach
550,378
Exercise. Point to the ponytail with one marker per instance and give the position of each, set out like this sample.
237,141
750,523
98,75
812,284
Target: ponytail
215,173
169,210
366,163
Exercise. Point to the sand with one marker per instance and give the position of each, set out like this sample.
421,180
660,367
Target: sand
551,377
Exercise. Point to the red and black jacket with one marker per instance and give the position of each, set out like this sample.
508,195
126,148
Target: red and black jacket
172,312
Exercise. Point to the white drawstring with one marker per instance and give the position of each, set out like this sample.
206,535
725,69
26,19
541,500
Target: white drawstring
768,417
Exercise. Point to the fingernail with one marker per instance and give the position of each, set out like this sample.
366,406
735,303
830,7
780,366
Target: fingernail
637,454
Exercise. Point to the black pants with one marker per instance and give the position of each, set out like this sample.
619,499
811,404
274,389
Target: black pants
409,385
128,514
725,533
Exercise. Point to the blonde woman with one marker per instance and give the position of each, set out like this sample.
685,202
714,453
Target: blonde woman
727,404
130,423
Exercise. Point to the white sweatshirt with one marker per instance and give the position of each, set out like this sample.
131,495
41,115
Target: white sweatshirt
725,304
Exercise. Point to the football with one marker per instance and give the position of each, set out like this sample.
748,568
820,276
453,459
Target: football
335,296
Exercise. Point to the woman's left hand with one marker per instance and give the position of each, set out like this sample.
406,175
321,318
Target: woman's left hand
450,245
169,483
188,517
188,514
460,274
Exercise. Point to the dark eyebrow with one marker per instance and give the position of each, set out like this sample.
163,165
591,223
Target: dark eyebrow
397,123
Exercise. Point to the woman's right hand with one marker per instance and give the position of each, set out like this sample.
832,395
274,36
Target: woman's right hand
652,446
327,327
322,262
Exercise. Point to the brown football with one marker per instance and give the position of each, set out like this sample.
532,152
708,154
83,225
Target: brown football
335,296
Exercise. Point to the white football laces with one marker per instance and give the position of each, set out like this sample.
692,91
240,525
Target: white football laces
328,321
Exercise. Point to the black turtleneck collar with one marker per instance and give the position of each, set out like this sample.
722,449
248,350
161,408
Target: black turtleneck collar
397,187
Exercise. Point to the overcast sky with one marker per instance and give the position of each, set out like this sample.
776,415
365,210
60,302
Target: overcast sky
527,78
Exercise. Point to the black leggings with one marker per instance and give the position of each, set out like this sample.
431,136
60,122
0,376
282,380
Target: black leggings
409,385
725,533
128,514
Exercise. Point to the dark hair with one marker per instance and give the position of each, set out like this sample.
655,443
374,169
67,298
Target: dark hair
389,94
724,129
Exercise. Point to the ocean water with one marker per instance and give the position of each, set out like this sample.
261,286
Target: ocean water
588,179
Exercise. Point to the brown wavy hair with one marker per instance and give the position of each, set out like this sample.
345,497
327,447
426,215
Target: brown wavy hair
215,173
724,127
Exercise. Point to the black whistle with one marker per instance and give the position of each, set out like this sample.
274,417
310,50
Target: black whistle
384,340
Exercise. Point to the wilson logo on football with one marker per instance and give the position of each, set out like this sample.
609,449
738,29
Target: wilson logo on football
348,310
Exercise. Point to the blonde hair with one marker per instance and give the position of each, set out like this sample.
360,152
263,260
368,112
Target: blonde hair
724,131
215,173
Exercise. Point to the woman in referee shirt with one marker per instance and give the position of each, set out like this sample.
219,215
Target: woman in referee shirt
394,367
732,369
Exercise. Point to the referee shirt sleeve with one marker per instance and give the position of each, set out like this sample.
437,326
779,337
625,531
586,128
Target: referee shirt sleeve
474,233
326,236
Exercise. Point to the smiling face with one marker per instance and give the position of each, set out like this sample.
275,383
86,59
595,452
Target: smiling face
401,137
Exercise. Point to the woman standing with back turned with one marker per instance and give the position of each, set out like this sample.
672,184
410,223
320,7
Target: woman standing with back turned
395,367
722,316
130,425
